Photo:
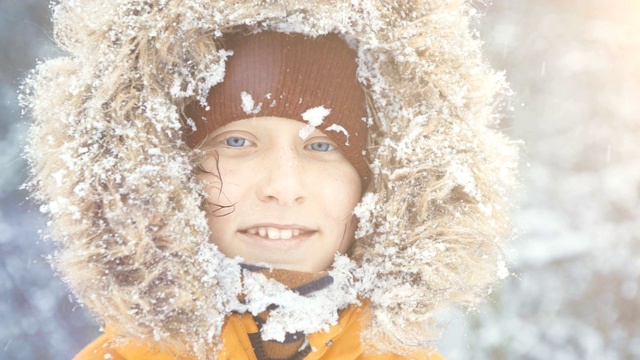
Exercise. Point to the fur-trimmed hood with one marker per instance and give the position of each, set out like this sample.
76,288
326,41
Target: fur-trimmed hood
111,169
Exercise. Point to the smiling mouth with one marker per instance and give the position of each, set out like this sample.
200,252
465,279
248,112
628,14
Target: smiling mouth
273,233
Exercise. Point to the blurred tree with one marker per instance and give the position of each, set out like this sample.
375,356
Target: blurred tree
36,310
575,67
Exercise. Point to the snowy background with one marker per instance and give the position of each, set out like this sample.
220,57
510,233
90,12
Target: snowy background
575,68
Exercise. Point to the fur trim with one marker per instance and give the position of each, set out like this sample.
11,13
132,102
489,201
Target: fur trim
111,169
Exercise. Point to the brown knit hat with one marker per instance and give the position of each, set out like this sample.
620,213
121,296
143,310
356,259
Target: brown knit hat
284,75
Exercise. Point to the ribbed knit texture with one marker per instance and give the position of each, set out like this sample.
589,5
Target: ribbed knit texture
286,75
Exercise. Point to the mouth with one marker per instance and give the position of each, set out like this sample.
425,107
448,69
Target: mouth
277,233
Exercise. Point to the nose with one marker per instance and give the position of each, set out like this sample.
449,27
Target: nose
282,178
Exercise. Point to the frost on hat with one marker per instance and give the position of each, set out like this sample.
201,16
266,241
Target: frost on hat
290,76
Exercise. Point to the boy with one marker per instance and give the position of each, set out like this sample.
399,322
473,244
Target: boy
269,181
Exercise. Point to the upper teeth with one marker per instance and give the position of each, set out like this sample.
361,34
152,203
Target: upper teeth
274,233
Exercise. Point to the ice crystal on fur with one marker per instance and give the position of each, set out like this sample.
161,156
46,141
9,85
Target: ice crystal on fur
110,167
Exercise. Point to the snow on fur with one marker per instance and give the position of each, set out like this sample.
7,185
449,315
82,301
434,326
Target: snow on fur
111,169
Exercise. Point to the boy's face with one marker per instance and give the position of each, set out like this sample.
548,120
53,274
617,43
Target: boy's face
291,199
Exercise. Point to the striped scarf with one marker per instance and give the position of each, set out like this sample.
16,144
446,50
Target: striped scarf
295,346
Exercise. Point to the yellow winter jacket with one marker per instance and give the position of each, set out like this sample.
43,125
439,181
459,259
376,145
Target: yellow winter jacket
341,342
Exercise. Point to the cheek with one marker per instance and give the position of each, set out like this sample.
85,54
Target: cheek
209,182
220,183
220,207
234,182
341,192
345,195
208,177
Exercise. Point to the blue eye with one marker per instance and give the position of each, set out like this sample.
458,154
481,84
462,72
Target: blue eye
321,146
236,142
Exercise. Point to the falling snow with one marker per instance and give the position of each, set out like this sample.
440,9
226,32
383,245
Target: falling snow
443,152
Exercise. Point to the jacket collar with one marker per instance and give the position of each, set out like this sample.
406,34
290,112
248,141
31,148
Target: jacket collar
342,338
